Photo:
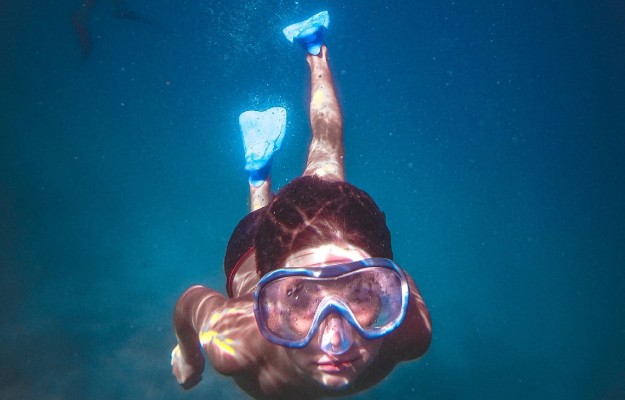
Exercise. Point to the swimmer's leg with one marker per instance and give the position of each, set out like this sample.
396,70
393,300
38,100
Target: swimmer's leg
260,196
326,151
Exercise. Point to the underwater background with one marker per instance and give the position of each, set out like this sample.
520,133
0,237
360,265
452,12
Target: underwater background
491,133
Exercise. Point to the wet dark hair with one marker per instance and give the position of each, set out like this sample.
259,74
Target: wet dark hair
311,211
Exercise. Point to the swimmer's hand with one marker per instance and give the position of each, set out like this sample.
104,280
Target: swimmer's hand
188,373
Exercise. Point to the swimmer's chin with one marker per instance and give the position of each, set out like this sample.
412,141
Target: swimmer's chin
334,382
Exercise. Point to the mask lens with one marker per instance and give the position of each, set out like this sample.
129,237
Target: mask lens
288,307
373,295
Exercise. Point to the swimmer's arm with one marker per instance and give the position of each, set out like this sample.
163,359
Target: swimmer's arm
231,338
187,359
224,328
413,337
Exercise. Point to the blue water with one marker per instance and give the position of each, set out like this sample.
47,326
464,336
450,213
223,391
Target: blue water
491,133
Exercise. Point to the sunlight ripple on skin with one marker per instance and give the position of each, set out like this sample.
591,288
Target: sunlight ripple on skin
223,337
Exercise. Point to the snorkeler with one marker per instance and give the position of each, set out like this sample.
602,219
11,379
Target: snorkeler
316,307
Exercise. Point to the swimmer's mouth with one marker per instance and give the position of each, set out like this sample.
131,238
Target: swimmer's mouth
330,365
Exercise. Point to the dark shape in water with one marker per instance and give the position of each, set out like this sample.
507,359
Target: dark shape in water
80,20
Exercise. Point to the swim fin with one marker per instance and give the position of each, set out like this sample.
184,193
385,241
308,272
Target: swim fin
263,132
309,33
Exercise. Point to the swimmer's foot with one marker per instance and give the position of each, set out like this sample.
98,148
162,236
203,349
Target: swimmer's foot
263,132
309,33
320,60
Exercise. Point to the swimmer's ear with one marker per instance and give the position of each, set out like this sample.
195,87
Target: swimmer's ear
263,133
309,33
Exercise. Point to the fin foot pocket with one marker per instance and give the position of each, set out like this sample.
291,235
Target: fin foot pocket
309,33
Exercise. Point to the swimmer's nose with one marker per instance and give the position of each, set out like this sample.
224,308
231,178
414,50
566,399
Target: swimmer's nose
336,337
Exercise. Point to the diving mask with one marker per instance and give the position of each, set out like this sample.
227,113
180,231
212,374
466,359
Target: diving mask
371,295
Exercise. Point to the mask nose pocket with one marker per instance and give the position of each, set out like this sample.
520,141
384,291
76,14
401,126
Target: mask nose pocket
337,336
